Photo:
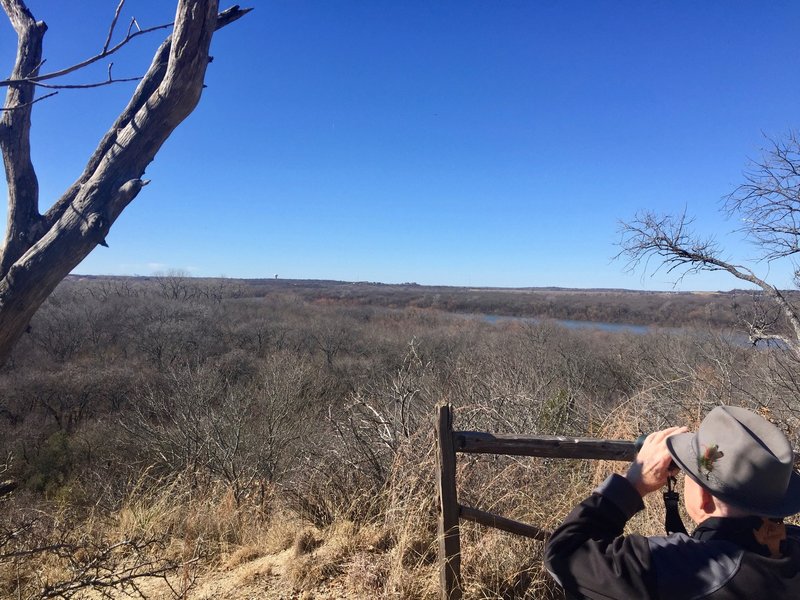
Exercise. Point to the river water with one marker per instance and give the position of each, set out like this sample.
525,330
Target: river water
737,337
598,325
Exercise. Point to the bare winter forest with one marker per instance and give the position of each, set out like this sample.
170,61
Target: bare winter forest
170,437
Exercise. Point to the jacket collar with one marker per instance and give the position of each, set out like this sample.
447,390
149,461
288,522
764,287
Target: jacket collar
740,531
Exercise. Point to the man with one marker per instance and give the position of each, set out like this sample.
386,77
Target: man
739,484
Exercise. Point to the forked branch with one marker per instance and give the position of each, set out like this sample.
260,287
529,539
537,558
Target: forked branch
670,241
104,53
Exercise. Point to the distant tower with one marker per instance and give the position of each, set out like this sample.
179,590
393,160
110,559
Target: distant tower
276,275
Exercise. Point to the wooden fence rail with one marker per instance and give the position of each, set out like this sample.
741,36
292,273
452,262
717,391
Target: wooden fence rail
451,512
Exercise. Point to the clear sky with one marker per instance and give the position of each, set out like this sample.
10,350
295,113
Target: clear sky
458,142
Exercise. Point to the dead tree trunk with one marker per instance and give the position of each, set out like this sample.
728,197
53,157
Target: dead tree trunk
41,249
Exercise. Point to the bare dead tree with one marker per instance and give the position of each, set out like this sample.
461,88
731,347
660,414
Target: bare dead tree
41,249
768,205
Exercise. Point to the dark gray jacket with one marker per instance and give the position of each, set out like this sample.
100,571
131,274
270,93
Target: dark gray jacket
590,558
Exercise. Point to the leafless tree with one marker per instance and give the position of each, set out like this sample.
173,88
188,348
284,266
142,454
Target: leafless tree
176,285
768,202
768,206
209,428
41,249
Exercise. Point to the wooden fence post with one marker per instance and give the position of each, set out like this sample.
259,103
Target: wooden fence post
480,442
449,540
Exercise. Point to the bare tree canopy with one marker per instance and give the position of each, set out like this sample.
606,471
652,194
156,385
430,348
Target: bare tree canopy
768,206
768,202
41,249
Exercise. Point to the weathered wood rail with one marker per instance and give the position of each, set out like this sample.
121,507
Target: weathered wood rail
471,442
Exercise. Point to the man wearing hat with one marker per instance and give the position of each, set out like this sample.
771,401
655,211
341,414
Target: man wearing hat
740,483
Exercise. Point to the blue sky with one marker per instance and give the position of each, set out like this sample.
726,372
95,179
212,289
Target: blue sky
483,143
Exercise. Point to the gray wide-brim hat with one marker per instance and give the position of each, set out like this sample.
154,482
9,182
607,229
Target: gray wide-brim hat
742,459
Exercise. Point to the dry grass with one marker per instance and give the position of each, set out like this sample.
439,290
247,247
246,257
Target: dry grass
306,542
280,532
367,572
320,558
393,557
243,555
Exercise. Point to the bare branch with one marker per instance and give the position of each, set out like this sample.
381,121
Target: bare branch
131,25
27,104
89,562
83,86
669,240
113,24
83,63
768,202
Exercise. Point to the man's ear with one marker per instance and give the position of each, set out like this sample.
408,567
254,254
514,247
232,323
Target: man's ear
707,502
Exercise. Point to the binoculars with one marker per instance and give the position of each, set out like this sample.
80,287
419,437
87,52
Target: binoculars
672,517
639,442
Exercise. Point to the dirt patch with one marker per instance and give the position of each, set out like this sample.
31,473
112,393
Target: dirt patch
261,578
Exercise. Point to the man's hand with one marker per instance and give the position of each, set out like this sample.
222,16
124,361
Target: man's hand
650,469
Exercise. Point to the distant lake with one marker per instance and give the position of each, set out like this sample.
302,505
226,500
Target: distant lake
571,324
738,337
